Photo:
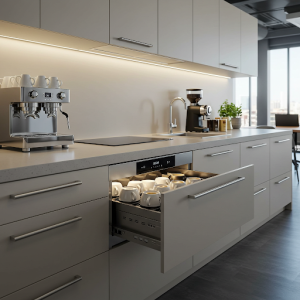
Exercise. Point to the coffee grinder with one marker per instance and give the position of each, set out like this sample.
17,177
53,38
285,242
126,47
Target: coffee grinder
196,113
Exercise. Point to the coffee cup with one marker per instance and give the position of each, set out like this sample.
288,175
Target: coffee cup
177,184
5,82
138,184
25,80
116,189
162,188
54,83
148,184
41,82
191,180
150,199
162,180
129,194
176,176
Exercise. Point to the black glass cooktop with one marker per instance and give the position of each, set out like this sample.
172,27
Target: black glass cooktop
122,140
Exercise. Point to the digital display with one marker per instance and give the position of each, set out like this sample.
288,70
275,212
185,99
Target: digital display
154,164
48,95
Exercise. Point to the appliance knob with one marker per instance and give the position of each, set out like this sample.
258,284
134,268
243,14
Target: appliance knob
33,94
61,95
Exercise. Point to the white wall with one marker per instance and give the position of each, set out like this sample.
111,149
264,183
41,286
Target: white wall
112,97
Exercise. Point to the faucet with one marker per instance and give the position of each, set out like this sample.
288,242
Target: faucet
171,125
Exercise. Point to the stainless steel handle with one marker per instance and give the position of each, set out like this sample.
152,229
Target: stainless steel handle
282,180
29,234
257,146
230,66
58,187
260,191
282,141
134,42
75,280
217,188
220,153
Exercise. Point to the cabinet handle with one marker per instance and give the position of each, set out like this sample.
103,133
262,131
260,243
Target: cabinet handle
217,188
134,42
257,146
260,191
282,141
220,153
58,187
29,234
75,280
282,180
230,66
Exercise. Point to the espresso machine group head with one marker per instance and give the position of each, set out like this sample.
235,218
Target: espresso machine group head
196,112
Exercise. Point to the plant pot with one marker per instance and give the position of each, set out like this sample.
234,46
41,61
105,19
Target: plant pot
229,125
236,123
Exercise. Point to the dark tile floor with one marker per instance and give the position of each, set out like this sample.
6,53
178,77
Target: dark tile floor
263,266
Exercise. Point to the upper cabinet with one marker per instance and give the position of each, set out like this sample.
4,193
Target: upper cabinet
206,32
230,37
86,19
249,44
175,29
133,24
21,12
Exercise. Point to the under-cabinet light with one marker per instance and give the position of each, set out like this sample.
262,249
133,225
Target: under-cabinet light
113,56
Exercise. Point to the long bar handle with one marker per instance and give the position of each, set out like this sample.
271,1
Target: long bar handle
230,66
58,187
217,188
75,280
282,180
257,146
282,141
16,238
220,153
260,191
134,42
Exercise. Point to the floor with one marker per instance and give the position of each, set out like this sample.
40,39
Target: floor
263,266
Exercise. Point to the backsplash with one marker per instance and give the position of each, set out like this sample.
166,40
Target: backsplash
112,97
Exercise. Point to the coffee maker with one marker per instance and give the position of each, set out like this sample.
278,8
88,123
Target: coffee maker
28,117
196,113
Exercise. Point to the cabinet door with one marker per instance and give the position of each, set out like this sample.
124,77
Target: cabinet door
21,12
206,39
175,28
249,45
230,37
83,18
133,24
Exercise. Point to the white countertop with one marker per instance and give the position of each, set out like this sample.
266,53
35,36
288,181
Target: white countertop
15,165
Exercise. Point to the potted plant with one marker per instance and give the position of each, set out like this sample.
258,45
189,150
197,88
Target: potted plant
236,113
225,113
231,112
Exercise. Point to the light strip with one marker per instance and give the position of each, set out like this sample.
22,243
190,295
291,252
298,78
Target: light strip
112,56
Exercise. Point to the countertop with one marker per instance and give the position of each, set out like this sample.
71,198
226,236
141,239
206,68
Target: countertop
15,165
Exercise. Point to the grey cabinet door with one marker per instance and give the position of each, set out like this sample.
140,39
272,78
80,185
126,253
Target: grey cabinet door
21,12
87,19
206,38
134,20
175,28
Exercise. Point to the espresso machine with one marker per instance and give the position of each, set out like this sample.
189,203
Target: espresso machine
196,113
28,117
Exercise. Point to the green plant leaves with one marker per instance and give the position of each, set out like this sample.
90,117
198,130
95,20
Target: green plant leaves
230,110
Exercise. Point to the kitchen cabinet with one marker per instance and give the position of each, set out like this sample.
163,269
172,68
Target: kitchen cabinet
230,37
21,12
133,24
175,29
87,19
206,32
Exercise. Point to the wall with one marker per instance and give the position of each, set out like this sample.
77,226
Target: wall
112,97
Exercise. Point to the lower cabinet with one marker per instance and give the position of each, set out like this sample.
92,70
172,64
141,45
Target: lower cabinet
88,280
135,272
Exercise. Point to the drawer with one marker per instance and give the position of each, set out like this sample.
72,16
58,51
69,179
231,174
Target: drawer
51,193
87,280
280,155
192,217
257,153
261,206
280,192
32,257
218,159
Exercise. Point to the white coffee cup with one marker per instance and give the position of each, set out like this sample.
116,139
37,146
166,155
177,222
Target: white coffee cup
25,80
136,183
150,199
176,184
191,180
148,184
41,82
129,194
13,81
162,180
54,83
162,188
116,189
5,81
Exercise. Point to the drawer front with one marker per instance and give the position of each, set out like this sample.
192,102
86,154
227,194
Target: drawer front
82,186
257,153
221,205
280,192
261,206
32,257
280,155
87,280
218,159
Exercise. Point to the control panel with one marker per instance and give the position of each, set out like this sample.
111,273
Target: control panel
155,164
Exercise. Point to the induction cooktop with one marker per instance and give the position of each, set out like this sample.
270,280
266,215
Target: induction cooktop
122,140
